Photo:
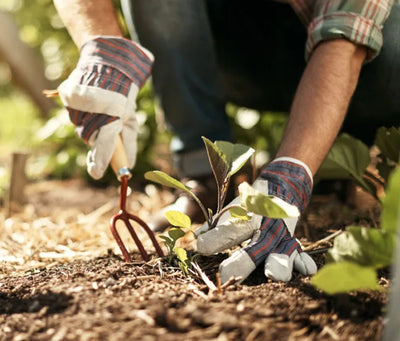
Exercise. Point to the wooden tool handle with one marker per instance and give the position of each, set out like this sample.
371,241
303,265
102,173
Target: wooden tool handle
50,93
119,160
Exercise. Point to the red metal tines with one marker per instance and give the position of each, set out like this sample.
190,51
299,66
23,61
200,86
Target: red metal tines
126,217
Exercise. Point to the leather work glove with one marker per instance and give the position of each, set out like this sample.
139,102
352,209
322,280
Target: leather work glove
272,240
100,95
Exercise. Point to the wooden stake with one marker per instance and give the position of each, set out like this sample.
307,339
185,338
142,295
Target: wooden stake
16,194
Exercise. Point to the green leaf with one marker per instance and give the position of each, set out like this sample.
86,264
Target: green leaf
218,163
176,218
236,154
166,238
391,204
176,233
348,158
239,212
168,242
183,259
166,180
181,254
265,205
362,245
345,277
388,142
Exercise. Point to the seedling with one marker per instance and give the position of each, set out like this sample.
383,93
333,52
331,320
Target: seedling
181,222
225,159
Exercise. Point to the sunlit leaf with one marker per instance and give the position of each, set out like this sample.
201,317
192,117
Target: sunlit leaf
348,158
239,212
176,233
183,259
236,154
343,277
181,254
391,204
365,246
166,180
265,205
176,218
388,142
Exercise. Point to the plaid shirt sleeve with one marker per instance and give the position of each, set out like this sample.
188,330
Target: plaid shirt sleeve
359,21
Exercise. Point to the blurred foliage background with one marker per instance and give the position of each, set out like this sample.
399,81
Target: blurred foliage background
29,122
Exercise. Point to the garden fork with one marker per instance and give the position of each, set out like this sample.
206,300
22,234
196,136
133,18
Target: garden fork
119,164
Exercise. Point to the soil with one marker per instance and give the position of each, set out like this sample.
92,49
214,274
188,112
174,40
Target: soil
63,278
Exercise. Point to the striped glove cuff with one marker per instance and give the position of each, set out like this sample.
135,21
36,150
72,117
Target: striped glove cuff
120,54
289,180
114,64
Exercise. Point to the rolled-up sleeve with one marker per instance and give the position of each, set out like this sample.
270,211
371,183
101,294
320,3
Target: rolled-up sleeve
359,21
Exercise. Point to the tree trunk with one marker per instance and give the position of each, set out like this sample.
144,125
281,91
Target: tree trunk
26,66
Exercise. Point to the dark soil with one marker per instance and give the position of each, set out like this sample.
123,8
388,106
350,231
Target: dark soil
105,298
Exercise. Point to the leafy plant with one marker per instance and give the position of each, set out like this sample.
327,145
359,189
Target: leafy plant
350,157
360,251
225,159
180,221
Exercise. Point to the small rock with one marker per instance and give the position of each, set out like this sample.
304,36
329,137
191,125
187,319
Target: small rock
110,282
240,308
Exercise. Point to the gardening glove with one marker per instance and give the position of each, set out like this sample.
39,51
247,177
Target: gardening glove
272,240
100,95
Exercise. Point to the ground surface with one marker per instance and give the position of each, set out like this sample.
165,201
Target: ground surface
63,278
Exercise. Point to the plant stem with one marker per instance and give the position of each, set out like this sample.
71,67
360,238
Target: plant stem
202,208
220,213
223,192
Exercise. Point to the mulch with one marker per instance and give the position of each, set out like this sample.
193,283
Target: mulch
63,278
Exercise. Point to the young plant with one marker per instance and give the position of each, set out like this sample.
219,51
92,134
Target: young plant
360,251
225,159
181,222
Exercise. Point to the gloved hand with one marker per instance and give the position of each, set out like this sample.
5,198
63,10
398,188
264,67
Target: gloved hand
100,95
272,240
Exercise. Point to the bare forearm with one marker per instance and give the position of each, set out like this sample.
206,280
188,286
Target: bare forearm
87,18
321,101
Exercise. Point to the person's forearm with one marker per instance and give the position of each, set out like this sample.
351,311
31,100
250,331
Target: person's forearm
321,101
87,18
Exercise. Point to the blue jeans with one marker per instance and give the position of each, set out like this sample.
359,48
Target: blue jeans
249,53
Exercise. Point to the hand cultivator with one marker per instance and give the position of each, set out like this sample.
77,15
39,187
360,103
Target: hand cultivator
118,163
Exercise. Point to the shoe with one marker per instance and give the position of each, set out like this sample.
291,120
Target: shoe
204,188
